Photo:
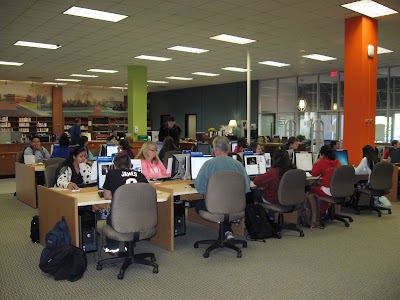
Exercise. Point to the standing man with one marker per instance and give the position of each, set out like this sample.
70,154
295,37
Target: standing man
37,150
395,145
170,129
220,162
113,135
75,132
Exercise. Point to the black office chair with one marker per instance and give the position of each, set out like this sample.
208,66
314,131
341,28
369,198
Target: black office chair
133,218
291,194
50,175
380,183
342,187
54,161
225,201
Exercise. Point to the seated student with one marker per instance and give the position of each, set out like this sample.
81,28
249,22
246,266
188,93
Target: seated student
292,144
255,147
84,142
75,170
395,145
324,167
37,150
152,167
241,144
366,164
113,135
335,145
120,175
168,145
63,149
125,148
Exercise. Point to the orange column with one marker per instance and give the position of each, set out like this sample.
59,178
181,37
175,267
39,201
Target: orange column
360,79
58,118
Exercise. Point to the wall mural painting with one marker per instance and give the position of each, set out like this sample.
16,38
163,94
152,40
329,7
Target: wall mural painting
25,100
94,102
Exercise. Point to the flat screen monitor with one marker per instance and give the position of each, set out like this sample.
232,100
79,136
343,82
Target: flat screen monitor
343,157
268,163
196,162
136,165
159,147
203,148
179,165
104,164
303,161
233,145
111,149
255,164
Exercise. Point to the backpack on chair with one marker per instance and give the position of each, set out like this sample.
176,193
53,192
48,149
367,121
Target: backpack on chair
258,225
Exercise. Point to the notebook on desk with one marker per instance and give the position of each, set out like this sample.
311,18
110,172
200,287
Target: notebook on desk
29,159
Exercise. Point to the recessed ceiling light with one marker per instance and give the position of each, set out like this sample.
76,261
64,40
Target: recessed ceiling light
11,63
188,49
205,74
119,87
319,57
55,83
102,71
94,14
369,8
235,69
273,63
83,75
37,45
383,50
68,79
157,81
179,78
232,39
150,57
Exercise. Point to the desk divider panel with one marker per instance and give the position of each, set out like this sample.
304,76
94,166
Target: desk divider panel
25,182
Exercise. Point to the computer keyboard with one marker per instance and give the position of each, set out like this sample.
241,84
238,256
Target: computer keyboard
86,185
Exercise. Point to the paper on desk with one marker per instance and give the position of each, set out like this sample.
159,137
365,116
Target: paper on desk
169,167
93,172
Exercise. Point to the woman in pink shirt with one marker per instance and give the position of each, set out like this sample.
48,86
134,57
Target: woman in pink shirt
152,167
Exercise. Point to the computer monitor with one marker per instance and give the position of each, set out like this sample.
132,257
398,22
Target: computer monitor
233,145
268,162
303,161
111,149
180,166
136,165
203,148
342,156
104,164
159,147
196,162
255,164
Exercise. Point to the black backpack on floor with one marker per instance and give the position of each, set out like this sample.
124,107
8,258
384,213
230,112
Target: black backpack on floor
35,229
258,225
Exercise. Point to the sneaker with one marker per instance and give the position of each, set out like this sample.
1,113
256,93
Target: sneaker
112,251
229,235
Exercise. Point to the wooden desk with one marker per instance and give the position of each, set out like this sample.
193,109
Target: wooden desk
56,202
25,182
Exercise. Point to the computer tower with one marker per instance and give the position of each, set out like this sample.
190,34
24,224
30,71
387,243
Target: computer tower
87,230
179,218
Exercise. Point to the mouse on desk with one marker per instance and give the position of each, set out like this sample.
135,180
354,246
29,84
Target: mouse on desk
192,185
101,194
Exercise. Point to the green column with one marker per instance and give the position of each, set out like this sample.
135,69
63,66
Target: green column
137,100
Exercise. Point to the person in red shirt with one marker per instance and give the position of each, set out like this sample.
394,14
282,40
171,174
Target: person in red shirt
324,167
395,145
125,148
241,144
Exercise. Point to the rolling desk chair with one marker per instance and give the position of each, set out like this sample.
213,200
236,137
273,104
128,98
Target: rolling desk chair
342,187
291,195
225,201
54,161
50,175
133,218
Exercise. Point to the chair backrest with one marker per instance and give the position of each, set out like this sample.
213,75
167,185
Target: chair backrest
342,181
381,176
168,155
54,161
20,157
226,193
292,187
95,152
50,175
134,208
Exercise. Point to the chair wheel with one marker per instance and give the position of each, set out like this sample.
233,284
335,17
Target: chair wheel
99,267
155,270
239,255
322,226
301,234
346,224
389,211
206,255
153,259
244,244
196,245
120,276
351,219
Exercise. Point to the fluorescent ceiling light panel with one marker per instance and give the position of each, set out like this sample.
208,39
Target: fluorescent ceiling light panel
179,78
55,83
369,8
10,63
319,57
188,49
68,79
94,14
119,87
83,75
234,69
205,74
150,57
157,81
232,39
102,71
37,45
383,50
273,63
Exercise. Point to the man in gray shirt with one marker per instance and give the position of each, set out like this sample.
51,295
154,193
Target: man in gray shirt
37,150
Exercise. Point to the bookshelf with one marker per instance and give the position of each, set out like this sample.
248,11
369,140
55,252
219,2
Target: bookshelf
31,125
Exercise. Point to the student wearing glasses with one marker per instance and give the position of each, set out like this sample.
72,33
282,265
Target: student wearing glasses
152,167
